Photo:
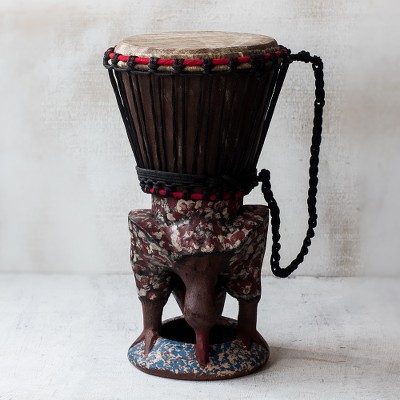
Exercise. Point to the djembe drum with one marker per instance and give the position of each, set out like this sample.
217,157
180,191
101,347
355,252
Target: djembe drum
196,108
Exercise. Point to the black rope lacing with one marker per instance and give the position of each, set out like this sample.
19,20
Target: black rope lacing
209,185
264,176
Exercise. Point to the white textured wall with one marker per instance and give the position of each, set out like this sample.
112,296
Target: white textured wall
67,176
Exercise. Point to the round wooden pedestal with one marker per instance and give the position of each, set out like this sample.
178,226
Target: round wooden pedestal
173,354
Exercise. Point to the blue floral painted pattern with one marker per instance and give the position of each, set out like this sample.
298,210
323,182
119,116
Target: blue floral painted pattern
226,359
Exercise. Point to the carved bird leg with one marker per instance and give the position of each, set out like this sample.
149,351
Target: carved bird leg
152,312
247,323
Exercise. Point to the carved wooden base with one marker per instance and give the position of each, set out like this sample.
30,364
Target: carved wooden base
174,353
199,251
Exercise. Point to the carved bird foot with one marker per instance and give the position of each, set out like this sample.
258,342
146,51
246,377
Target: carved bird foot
149,337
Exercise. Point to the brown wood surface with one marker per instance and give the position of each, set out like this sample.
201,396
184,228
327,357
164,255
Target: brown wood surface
198,124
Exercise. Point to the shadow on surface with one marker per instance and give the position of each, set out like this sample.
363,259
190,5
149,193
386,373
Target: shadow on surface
346,362
282,353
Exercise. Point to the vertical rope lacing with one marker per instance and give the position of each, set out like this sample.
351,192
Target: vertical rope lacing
264,176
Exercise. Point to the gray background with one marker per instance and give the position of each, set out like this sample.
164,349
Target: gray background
67,178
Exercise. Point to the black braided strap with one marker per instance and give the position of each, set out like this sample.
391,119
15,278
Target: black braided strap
155,181
264,176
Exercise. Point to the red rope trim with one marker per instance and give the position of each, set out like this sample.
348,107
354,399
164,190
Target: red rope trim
195,62
194,196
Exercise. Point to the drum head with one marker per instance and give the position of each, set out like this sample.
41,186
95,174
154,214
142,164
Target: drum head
196,45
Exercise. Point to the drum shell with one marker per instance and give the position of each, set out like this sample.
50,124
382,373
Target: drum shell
199,124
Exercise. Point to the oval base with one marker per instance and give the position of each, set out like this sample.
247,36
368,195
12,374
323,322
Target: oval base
174,353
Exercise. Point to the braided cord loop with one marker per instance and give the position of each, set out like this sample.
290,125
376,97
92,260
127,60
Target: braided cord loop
264,176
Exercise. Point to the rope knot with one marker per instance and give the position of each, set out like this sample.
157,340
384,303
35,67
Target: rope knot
178,65
207,65
153,66
131,62
264,175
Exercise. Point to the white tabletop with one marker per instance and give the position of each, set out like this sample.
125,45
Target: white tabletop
67,336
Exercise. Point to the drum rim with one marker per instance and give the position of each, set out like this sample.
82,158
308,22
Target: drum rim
117,61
